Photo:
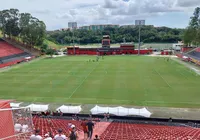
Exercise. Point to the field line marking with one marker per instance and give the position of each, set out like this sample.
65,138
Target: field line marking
34,99
82,81
150,101
162,77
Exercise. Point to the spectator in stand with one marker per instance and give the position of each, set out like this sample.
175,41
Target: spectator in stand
24,128
60,136
108,116
50,135
90,116
18,127
47,137
105,116
85,129
70,126
49,122
36,136
73,135
90,126
96,137
57,113
60,112
76,117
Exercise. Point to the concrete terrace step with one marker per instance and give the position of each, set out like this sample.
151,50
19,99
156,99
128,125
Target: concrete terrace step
99,128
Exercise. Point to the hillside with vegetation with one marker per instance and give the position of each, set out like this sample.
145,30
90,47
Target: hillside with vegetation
149,34
24,29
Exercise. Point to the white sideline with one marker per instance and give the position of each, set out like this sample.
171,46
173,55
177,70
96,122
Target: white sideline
82,81
150,101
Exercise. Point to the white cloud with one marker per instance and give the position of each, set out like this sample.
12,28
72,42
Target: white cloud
188,3
56,13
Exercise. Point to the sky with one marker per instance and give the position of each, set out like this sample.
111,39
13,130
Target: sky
57,13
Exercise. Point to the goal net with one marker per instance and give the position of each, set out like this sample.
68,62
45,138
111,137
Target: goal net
15,123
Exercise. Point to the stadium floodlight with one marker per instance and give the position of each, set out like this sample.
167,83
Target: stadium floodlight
139,23
73,42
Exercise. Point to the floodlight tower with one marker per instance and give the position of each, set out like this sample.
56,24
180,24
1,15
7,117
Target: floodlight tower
139,23
73,41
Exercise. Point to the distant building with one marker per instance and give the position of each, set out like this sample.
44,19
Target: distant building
85,27
130,26
178,46
98,27
139,22
72,25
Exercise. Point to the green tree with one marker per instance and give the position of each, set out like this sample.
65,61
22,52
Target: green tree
44,48
148,34
50,52
9,20
189,36
192,33
33,30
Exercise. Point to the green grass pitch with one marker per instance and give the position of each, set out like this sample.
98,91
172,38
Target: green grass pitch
119,80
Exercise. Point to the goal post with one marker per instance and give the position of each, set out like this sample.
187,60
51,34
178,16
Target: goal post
15,123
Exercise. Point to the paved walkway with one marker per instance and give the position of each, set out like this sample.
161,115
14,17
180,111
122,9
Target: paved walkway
99,128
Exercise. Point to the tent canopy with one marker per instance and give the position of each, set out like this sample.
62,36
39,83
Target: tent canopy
121,111
15,105
69,109
38,108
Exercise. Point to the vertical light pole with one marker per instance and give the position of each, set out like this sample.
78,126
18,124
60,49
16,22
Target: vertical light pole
73,41
139,40
139,23
124,40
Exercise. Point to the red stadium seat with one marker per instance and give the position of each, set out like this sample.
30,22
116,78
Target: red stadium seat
124,131
7,49
44,126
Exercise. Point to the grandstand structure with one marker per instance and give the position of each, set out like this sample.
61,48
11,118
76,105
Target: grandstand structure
125,129
114,128
119,129
190,54
123,49
105,49
11,55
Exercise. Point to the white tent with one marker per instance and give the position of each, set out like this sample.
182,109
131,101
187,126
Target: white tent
69,109
15,105
38,108
121,111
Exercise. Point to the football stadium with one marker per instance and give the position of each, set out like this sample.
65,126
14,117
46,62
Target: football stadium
97,91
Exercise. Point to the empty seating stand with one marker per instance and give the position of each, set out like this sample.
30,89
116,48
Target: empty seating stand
130,131
7,49
195,54
10,55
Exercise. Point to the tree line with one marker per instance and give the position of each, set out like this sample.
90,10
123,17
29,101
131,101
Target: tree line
192,32
30,30
118,35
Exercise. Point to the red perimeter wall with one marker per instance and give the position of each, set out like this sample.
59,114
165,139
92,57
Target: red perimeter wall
6,121
94,51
